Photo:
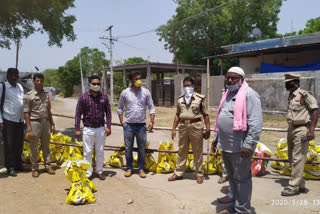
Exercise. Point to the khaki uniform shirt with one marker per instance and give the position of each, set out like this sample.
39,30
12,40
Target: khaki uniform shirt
300,104
37,104
196,109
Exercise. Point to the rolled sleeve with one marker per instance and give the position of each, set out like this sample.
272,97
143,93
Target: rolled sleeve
150,104
311,102
204,107
121,103
26,104
178,109
254,120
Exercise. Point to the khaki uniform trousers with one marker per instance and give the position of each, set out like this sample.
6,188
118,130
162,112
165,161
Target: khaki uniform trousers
189,134
297,152
41,131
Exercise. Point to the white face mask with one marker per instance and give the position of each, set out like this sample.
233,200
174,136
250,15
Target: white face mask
188,92
235,87
94,87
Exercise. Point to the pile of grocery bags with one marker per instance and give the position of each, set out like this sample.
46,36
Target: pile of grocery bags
311,171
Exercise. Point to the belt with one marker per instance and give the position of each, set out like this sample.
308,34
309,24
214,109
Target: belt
40,120
300,125
187,122
97,126
137,124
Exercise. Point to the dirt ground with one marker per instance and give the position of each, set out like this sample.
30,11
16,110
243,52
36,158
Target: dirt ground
46,194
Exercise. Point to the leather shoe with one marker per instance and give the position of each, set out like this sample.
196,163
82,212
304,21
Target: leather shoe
35,173
142,174
303,190
128,173
175,177
101,176
50,171
225,200
199,179
11,172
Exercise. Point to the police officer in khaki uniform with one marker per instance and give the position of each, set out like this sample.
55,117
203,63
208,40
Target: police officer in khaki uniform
37,111
302,118
191,110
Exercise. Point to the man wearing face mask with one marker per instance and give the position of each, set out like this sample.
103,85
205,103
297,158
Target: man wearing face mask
135,101
191,110
94,106
238,126
302,118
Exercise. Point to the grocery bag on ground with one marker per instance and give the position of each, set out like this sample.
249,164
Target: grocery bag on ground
82,189
166,161
258,167
116,159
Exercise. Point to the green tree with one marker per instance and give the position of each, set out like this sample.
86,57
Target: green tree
92,60
20,18
135,60
51,78
209,28
312,26
118,76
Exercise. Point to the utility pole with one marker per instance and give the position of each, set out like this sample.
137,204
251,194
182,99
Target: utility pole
111,59
82,86
175,48
17,53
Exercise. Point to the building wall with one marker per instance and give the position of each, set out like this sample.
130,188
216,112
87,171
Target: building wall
270,87
251,65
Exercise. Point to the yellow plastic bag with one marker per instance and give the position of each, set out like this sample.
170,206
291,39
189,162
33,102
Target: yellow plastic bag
116,159
312,171
212,165
166,161
82,189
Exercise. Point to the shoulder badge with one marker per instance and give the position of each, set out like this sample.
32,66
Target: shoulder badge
200,96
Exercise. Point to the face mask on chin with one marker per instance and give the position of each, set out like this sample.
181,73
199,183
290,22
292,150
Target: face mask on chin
94,87
235,87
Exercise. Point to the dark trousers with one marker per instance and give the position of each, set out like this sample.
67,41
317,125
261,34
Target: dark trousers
239,175
13,143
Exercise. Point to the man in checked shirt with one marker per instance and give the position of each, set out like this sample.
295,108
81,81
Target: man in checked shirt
93,105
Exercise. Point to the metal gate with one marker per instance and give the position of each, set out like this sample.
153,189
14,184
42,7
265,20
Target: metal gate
163,92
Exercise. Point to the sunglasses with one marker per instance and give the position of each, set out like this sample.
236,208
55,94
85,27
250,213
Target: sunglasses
94,84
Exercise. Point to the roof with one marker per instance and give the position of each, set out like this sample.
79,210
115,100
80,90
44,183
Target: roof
291,44
157,67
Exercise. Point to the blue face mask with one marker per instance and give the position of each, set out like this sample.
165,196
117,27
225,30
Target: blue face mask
233,88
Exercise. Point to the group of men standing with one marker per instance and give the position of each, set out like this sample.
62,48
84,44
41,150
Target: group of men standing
34,108
238,126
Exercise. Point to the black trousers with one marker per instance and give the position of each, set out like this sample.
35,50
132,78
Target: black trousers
13,143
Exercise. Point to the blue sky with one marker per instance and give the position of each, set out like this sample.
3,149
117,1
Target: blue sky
128,17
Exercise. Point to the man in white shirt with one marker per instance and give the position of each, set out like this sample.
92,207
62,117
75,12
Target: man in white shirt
11,121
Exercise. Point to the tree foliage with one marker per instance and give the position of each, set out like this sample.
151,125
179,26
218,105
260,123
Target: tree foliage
204,34
51,78
118,76
20,18
92,60
312,26
134,60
